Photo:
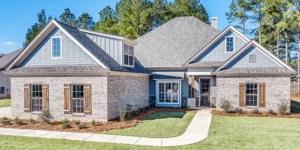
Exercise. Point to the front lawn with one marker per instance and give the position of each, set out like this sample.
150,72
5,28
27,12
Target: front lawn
5,103
158,125
225,133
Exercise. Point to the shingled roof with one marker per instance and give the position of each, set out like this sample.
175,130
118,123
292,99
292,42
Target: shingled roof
174,43
7,59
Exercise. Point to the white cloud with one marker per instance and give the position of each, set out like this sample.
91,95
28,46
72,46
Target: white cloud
10,43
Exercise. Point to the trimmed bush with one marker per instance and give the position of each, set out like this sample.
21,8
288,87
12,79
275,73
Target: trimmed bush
81,126
64,121
31,120
65,125
93,122
4,118
77,122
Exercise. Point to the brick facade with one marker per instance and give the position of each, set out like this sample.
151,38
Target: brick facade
5,82
277,89
107,94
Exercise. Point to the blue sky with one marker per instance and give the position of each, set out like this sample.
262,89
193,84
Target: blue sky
19,15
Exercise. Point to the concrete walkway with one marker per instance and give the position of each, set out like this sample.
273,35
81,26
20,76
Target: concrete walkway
5,112
195,132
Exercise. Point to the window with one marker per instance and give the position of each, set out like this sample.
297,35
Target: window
77,99
56,47
128,55
251,94
229,44
252,58
2,90
36,97
168,92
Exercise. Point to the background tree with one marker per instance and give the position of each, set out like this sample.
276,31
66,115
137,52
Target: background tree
85,21
256,7
107,22
68,17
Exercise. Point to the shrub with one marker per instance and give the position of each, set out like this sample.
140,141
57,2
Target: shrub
128,110
77,122
238,110
64,121
4,122
283,107
271,112
149,105
137,110
144,108
65,125
17,118
93,122
122,114
255,111
45,116
18,122
187,108
4,118
81,126
31,120
225,105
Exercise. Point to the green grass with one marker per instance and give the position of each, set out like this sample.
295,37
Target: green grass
158,125
225,133
5,103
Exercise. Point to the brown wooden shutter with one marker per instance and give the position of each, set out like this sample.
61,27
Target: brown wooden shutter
67,98
87,100
45,96
262,94
27,101
242,90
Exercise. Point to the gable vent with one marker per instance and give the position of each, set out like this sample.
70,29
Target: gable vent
252,58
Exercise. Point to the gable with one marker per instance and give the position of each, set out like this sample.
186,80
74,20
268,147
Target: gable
260,60
71,53
216,52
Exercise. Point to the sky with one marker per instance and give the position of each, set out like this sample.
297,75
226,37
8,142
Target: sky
18,15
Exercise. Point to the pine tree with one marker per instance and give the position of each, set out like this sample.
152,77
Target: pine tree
107,22
85,21
68,17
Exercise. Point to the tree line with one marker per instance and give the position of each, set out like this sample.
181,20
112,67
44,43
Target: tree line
129,18
276,24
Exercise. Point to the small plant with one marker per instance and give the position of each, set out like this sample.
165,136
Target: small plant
64,121
93,122
225,105
255,111
45,116
122,114
137,111
187,108
283,107
271,112
128,110
238,110
81,126
77,122
17,121
65,125
17,118
4,118
31,120
4,122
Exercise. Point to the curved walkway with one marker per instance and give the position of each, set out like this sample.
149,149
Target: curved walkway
195,132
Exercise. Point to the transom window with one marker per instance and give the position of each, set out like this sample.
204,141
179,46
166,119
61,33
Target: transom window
251,94
36,97
128,55
229,44
56,47
168,92
77,99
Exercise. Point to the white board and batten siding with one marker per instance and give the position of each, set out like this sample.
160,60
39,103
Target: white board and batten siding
113,47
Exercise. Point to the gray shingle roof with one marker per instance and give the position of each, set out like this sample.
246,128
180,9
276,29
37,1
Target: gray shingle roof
7,59
206,64
72,68
253,70
174,43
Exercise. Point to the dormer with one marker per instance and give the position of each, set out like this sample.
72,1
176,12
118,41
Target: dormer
119,48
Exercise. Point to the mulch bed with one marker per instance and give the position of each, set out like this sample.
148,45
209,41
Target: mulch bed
89,128
260,114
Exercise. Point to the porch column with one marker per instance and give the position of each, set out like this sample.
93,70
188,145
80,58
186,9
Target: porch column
191,86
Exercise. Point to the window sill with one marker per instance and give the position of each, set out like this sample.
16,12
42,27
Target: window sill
251,107
78,115
36,112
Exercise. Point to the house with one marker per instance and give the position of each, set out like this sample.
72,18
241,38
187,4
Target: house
76,74
80,74
4,78
194,64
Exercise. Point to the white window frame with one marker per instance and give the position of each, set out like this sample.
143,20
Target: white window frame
168,81
123,56
31,98
233,43
252,94
76,98
56,37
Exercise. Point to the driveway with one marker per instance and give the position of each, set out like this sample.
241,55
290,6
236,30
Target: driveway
5,112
